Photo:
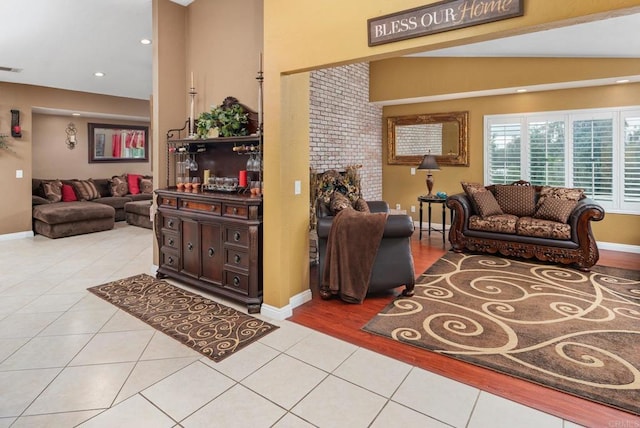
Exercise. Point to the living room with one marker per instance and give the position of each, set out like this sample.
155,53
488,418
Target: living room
287,266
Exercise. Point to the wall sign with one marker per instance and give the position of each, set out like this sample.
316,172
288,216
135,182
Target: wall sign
439,17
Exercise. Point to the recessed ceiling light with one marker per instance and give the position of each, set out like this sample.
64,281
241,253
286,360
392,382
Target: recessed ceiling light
75,114
98,74
521,91
145,41
622,81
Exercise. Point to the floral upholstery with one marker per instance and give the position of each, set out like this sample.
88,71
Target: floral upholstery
529,226
502,223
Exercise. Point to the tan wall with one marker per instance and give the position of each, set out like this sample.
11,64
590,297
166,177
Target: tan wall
15,211
401,187
52,158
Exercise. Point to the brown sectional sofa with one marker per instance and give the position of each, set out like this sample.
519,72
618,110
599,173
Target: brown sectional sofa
521,220
61,219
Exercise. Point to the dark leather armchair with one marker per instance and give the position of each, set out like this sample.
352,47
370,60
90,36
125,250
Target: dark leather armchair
393,265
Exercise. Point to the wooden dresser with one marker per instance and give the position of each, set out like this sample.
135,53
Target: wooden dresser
213,241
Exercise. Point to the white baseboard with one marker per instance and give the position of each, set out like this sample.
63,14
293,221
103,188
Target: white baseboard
626,248
286,311
17,235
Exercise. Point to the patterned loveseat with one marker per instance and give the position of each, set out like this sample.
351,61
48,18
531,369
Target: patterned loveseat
521,220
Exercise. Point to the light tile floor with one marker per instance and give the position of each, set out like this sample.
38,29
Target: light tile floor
68,359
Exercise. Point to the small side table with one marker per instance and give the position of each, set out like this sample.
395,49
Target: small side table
429,201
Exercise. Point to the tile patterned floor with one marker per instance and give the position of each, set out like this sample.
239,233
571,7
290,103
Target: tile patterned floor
69,359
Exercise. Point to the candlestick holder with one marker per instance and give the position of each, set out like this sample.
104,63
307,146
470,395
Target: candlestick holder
192,119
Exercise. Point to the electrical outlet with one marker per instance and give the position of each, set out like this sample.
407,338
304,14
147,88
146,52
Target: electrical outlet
19,173
413,171
397,206
413,208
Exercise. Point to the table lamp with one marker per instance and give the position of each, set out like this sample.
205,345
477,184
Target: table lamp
429,163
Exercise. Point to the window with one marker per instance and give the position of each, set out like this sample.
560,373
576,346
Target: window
596,150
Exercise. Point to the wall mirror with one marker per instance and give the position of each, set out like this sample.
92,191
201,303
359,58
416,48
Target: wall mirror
443,134
118,143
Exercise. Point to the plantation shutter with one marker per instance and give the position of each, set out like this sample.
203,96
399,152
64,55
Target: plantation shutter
547,152
631,175
593,157
504,153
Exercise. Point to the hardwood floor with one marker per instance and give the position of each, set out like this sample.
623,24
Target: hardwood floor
321,315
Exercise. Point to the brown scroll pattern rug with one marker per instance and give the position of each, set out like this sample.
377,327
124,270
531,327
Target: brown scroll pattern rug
578,332
214,330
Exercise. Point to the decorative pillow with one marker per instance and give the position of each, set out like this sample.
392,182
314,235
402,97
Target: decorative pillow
555,209
146,185
472,188
517,200
361,205
85,190
68,194
565,193
52,190
486,203
339,202
132,180
119,185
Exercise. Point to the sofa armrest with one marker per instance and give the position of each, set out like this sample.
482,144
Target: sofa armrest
39,200
585,211
378,206
397,226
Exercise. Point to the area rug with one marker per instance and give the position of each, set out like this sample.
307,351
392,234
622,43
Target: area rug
577,332
214,330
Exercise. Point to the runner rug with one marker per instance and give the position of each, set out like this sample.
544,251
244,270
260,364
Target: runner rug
214,330
578,332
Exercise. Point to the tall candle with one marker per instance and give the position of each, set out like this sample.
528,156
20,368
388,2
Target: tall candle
192,79
242,178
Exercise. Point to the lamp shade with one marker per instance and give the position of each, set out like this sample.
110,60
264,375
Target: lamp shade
429,162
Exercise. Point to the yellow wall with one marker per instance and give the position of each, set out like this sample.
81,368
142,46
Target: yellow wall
15,210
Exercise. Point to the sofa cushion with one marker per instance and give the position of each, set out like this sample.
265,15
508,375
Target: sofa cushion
566,193
555,209
146,185
72,212
39,200
103,185
503,223
117,202
486,204
140,197
86,190
338,203
517,200
118,185
529,226
52,190
68,194
361,205
133,182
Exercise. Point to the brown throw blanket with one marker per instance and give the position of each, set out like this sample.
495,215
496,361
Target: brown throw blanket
352,246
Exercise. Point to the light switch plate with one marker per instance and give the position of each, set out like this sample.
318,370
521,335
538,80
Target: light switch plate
297,188
19,173
413,171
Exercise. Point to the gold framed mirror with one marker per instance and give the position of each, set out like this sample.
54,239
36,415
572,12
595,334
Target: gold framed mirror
442,134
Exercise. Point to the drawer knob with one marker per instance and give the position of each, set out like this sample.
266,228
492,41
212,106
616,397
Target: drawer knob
237,258
236,236
235,211
213,208
236,281
170,260
189,246
171,242
170,223
211,251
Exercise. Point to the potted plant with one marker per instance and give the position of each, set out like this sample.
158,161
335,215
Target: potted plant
230,119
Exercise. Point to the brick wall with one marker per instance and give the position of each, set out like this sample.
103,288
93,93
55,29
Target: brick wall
345,128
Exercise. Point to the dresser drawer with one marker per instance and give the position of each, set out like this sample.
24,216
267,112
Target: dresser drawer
236,282
170,259
235,258
170,240
167,201
232,210
171,223
208,207
236,236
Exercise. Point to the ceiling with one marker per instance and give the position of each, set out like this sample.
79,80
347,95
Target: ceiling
61,44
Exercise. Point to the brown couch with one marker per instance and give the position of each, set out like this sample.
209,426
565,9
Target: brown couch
547,223
60,219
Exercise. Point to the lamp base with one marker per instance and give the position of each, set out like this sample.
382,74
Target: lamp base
430,186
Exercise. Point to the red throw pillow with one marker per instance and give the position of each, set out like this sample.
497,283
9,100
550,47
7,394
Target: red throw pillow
68,194
133,180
